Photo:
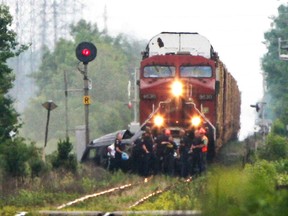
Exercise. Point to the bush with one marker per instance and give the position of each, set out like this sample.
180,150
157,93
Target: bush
36,164
279,128
282,172
37,167
64,158
8,211
244,192
282,166
276,148
15,157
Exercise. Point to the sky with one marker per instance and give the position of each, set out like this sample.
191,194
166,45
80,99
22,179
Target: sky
235,29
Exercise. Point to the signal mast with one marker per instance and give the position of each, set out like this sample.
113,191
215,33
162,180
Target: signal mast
86,52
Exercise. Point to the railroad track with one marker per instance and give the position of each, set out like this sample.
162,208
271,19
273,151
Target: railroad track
81,199
121,188
105,192
142,200
123,213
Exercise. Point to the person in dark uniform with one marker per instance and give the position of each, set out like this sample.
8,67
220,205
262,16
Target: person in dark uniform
147,144
137,156
160,141
185,144
119,149
197,155
169,158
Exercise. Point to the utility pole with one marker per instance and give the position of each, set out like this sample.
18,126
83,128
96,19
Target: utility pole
49,105
87,102
86,52
66,104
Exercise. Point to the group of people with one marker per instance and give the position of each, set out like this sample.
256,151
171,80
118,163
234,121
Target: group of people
160,154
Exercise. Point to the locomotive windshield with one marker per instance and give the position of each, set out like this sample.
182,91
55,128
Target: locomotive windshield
196,71
156,71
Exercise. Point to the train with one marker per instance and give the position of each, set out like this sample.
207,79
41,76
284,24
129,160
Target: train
182,84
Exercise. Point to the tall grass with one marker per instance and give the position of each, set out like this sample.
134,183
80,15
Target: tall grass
250,191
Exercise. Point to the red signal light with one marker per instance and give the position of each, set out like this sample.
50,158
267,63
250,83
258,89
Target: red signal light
86,52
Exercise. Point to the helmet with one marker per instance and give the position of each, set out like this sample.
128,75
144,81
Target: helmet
167,132
125,156
202,131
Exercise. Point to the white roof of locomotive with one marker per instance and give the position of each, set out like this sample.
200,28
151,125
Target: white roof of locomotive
174,42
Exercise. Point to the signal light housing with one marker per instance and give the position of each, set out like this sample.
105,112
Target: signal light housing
86,52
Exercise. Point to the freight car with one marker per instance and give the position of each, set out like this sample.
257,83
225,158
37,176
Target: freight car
184,84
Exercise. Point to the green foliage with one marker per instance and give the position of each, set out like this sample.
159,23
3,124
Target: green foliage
114,65
29,198
276,69
37,166
8,211
276,148
279,128
179,195
173,200
9,48
247,192
15,156
282,172
64,149
20,159
282,166
64,158
56,188
223,191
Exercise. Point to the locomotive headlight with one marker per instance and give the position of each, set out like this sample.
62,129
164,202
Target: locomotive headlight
195,121
177,88
158,120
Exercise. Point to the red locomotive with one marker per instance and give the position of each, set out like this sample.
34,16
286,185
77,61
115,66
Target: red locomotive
183,84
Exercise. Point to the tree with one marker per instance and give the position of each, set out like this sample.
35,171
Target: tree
276,70
14,154
64,158
116,61
9,48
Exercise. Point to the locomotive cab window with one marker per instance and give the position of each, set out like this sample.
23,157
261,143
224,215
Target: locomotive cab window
158,71
196,71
